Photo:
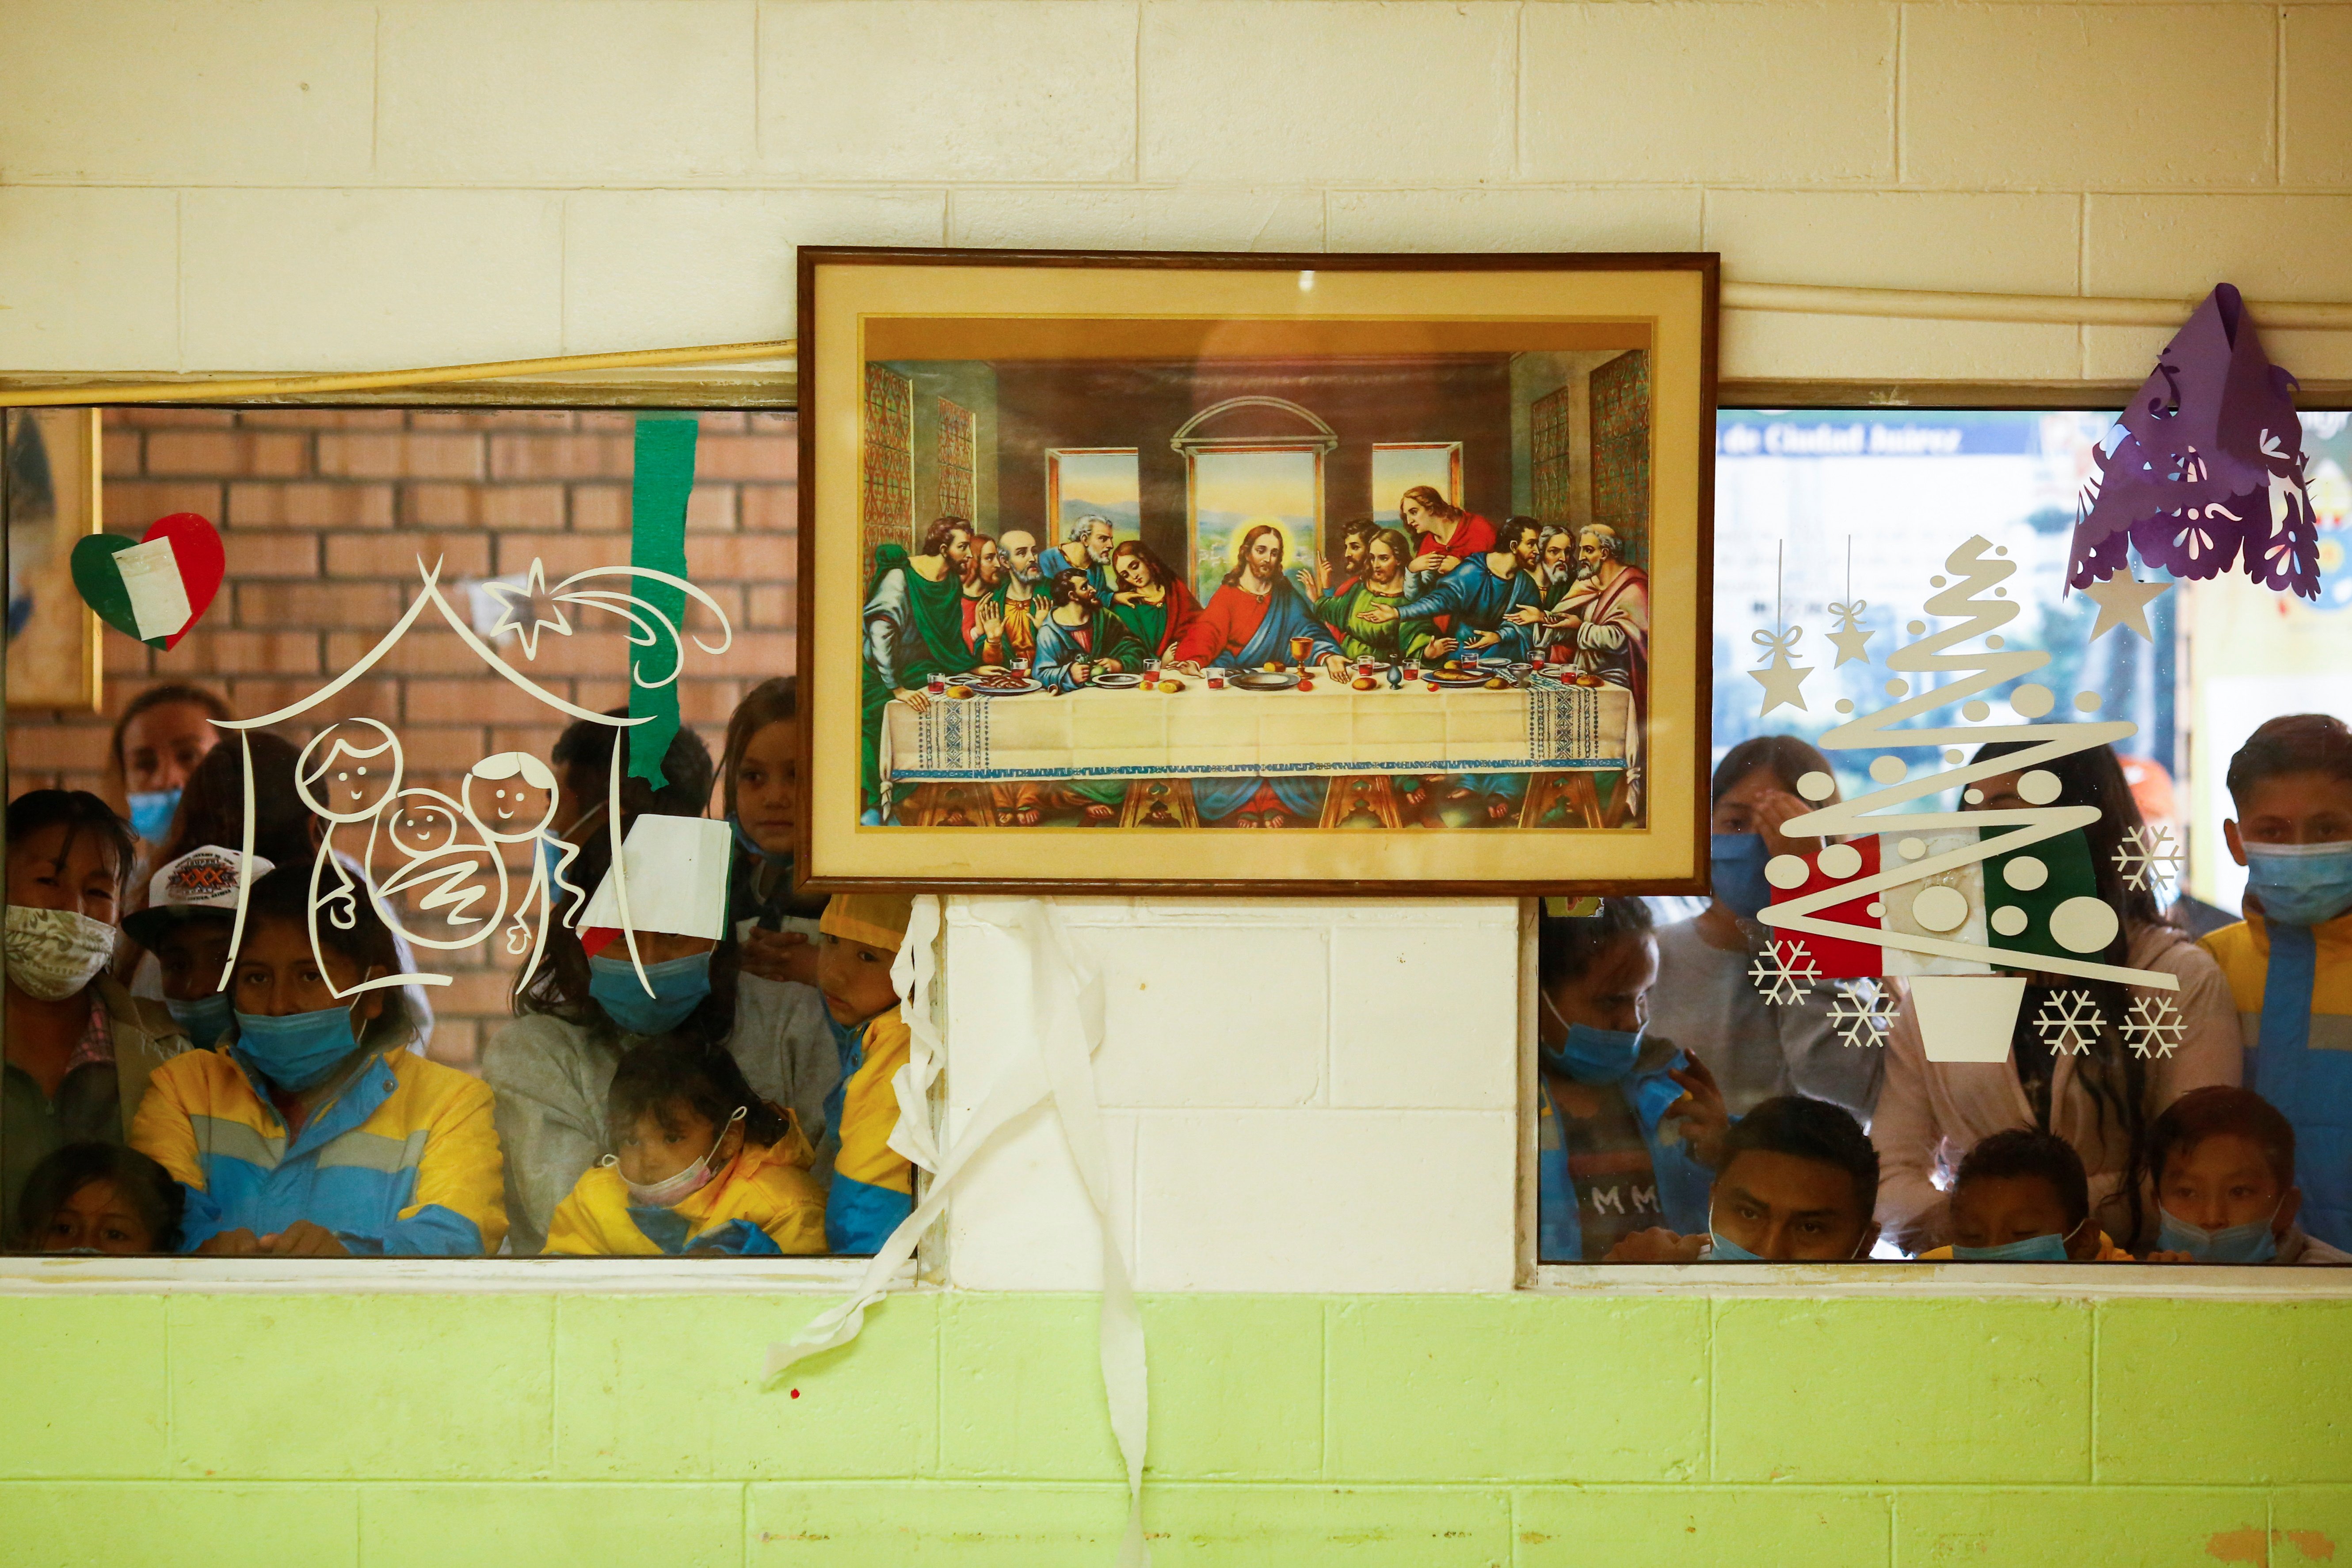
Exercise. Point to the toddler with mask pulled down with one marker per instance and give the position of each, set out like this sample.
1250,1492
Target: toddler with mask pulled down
700,1166
2022,1196
2222,1162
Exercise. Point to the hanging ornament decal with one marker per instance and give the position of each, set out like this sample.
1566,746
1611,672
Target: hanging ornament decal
1781,680
2205,468
2123,601
156,588
1851,638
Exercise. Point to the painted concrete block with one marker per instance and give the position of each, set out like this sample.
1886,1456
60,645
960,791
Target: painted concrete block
967,89
2251,1391
341,280
641,1399
660,269
2270,246
1170,218
524,1526
1326,1200
1783,346
91,278
83,1524
1532,1388
1348,89
2014,1527
636,90
1403,1527
1786,94
2309,1525
982,1525
1407,1033
410,1398
1019,1218
1199,1018
86,1394
1794,1527
2130,96
2128,353
1991,1392
209,92
1237,1388
1984,242
2315,146
1486,218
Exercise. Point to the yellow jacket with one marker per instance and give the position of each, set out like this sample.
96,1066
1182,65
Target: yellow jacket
765,1201
400,1159
873,1184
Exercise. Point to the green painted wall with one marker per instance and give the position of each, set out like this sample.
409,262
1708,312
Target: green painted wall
1415,1431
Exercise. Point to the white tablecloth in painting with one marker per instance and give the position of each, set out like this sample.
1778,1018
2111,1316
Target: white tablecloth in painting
1200,733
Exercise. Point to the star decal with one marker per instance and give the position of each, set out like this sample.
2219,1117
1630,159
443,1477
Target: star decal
525,610
1851,637
2123,601
1783,681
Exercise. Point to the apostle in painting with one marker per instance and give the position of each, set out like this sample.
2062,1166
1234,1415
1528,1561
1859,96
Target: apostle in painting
984,586
1478,598
1086,546
1009,623
912,628
1605,619
1153,602
1444,535
1386,583
1078,639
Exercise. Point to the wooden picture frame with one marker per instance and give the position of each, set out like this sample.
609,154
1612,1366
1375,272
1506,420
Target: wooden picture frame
979,711
51,480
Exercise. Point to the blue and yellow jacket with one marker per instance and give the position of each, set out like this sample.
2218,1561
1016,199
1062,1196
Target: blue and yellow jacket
765,1203
1683,1184
2304,1068
873,1184
400,1161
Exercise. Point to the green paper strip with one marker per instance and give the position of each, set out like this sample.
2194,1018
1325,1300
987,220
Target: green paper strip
664,474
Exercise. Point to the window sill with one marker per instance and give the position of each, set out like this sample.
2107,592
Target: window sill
2030,1281
31,1275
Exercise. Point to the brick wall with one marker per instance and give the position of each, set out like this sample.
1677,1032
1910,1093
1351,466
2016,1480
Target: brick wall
325,512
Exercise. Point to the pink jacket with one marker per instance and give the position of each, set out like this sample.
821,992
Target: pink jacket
1930,1114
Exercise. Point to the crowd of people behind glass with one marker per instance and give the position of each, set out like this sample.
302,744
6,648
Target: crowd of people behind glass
737,1101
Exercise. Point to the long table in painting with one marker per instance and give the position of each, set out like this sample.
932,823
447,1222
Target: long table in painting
1570,736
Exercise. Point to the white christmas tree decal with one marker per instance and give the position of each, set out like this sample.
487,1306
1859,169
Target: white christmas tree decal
2083,926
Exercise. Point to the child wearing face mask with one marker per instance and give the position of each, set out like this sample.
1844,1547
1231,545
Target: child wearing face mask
310,1129
191,911
101,1197
2289,964
79,1049
1626,1123
873,1184
2221,1163
700,1166
2022,1196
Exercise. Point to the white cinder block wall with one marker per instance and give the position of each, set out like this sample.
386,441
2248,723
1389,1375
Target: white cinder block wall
1306,1096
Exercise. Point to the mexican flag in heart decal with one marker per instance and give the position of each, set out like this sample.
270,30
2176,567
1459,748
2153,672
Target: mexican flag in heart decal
152,588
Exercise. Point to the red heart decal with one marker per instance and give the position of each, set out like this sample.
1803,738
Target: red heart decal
196,547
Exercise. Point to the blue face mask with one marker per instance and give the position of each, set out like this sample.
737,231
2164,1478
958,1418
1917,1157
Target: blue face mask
205,1018
1722,1248
1736,862
152,811
2300,884
298,1050
1589,1055
2251,1242
2024,1249
679,985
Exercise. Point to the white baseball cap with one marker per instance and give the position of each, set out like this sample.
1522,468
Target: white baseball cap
204,878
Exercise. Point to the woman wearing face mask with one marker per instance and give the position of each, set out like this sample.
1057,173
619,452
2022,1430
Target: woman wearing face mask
311,1131
164,732
80,1049
1706,997
1627,1126
2099,1100
578,1015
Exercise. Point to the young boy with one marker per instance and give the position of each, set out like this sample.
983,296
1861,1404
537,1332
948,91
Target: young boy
2289,963
1797,1183
2222,1163
2021,1196
873,1184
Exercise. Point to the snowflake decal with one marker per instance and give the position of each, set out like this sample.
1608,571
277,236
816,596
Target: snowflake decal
2155,1026
1861,1016
2068,1022
2148,855
1784,977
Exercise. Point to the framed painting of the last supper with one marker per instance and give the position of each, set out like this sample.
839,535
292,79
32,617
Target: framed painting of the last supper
1402,563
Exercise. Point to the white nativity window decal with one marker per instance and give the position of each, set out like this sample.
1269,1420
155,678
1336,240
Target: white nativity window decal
409,838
